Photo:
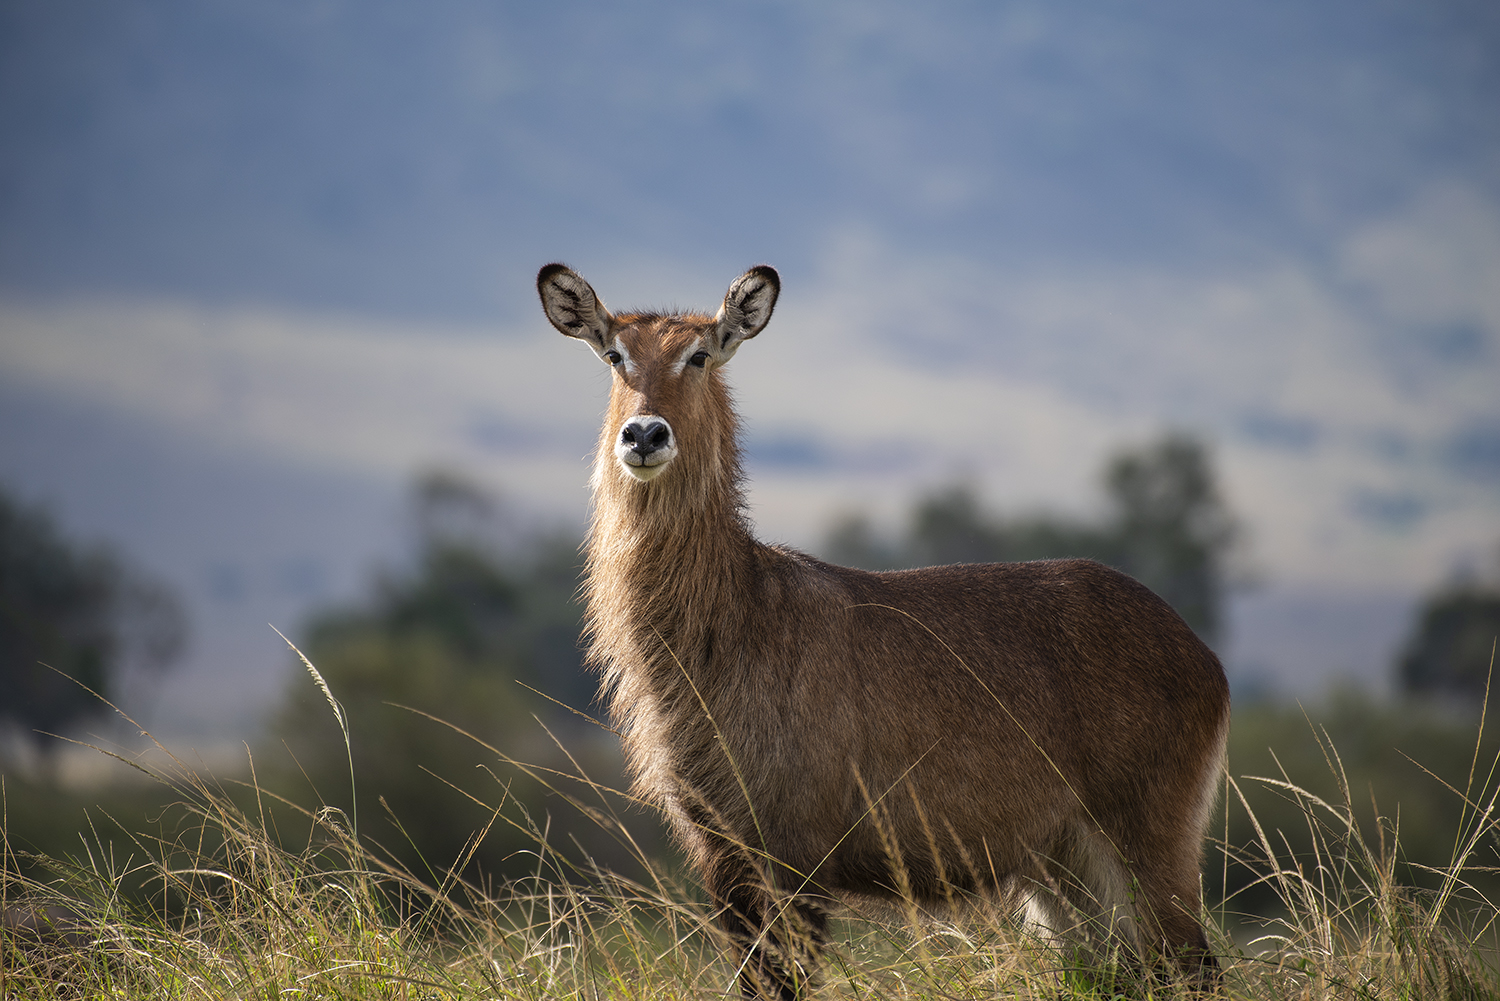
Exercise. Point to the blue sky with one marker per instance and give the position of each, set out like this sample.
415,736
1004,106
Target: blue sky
251,252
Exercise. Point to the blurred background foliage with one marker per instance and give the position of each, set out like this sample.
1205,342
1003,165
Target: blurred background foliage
1452,650
466,660
77,624
476,644
1401,768
1166,525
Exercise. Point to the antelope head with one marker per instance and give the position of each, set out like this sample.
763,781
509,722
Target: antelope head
667,398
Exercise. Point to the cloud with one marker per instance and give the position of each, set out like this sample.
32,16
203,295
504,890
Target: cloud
1474,451
1435,265
885,373
1350,460
361,396
389,157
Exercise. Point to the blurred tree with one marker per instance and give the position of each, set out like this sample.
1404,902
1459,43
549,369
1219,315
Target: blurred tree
1167,526
79,610
949,527
853,542
1451,651
481,609
1170,529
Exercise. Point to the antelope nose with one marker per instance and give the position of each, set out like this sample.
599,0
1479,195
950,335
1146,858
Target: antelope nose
645,435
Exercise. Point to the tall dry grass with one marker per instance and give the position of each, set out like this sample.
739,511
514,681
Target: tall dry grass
241,894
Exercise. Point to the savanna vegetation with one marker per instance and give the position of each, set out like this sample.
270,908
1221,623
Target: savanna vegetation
423,820
1166,525
216,900
77,623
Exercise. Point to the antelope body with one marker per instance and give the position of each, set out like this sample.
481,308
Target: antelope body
1048,732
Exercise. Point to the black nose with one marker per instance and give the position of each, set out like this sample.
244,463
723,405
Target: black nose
645,435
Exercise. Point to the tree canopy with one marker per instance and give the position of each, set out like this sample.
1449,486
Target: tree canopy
1452,648
1166,525
427,667
72,616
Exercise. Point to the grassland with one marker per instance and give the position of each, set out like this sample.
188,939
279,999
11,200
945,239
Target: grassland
233,892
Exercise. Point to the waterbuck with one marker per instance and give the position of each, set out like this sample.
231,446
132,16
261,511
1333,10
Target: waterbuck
1049,733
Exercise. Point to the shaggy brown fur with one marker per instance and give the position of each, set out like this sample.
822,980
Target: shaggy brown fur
1050,731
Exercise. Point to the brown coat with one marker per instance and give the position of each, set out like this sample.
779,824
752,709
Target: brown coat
1048,731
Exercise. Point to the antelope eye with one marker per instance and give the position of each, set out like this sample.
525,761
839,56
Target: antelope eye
613,357
699,360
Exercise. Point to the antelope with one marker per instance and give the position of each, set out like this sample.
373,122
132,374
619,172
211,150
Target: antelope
1044,734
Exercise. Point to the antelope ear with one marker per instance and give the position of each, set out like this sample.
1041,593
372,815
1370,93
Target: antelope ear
747,307
572,306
